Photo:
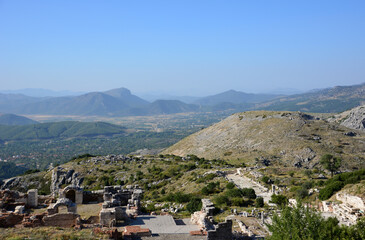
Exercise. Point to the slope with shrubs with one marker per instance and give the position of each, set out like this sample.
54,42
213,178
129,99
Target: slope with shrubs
59,130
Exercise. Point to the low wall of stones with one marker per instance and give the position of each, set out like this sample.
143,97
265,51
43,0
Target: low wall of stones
61,220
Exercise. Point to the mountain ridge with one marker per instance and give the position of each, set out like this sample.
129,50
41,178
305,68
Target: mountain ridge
121,102
12,119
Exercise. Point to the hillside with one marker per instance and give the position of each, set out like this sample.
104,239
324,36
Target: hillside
169,107
283,138
234,97
330,100
127,97
354,118
58,130
12,119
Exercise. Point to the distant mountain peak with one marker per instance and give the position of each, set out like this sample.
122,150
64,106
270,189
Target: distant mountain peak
117,92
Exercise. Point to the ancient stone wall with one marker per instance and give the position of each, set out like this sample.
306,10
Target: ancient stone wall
223,231
61,220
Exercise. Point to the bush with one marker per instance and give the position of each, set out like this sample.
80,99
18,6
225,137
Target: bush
302,193
249,193
259,202
178,197
230,185
265,179
235,192
210,188
237,201
195,204
280,200
221,200
326,192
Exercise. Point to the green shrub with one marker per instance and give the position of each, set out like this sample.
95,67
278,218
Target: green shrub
280,200
326,192
259,202
249,193
230,185
237,201
302,193
195,204
235,192
221,200
265,179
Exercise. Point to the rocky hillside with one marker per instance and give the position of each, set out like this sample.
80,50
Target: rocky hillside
354,118
278,138
329,100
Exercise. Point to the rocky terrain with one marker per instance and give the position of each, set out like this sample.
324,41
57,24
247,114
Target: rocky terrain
354,118
275,138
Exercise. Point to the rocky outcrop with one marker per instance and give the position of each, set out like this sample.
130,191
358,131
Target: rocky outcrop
355,119
61,176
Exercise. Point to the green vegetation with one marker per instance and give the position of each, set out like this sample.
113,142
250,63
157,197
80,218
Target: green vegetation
336,183
59,130
280,200
9,169
331,163
40,153
259,203
301,223
12,119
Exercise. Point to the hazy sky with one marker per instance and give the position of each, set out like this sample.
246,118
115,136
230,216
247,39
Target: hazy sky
184,47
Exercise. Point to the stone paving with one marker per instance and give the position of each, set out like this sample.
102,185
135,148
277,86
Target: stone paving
245,182
181,236
164,224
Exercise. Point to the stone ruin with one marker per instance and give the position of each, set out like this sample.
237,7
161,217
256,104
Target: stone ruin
119,204
13,205
67,217
61,177
347,212
75,194
204,219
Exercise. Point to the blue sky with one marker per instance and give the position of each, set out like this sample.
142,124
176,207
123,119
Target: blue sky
185,47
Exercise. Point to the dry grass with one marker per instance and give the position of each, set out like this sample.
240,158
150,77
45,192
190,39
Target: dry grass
88,210
47,233
283,137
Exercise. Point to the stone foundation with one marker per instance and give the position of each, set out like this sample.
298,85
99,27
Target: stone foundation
62,220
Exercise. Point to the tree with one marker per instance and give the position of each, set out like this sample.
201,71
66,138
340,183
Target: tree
302,223
331,163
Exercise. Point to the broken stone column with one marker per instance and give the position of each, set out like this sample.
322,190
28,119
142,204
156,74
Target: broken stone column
32,198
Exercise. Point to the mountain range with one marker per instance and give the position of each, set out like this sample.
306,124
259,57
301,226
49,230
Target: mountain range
121,102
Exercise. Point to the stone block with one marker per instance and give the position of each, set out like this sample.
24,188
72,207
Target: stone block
32,198
107,217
